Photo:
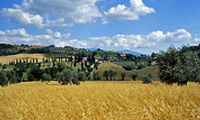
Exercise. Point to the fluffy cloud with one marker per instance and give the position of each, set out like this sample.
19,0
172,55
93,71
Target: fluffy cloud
119,41
56,13
63,13
18,36
122,12
196,39
23,18
154,38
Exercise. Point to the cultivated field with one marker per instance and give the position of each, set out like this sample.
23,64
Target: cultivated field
100,100
10,58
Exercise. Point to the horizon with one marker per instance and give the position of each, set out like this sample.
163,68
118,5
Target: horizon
143,26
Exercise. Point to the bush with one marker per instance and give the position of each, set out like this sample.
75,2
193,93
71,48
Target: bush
46,78
68,76
11,75
146,80
31,77
82,76
123,75
106,74
36,72
4,66
128,67
140,66
3,79
133,76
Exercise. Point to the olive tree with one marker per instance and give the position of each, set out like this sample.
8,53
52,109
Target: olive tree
3,79
81,76
178,65
46,78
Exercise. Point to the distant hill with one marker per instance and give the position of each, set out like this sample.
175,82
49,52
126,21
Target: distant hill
5,46
129,52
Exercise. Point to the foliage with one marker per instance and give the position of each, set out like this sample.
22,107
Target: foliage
36,72
123,75
178,65
111,74
68,76
11,75
146,80
3,79
82,76
46,78
60,66
106,74
133,76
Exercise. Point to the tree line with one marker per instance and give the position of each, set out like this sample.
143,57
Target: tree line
61,73
179,65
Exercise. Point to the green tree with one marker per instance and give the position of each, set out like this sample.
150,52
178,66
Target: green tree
94,76
46,78
60,66
82,76
106,74
146,80
36,72
111,74
11,75
114,74
66,76
31,77
134,76
75,78
98,76
178,65
3,79
123,75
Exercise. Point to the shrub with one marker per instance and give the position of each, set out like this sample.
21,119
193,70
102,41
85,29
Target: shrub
4,66
31,77
140,66
111,74
75,78
146,80
66,76
123,75
106,74
133,76
94,76
82,76
3,79
46,78
36,72
98,77
128,67
11,75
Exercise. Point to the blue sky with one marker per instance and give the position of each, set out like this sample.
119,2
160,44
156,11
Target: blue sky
139,25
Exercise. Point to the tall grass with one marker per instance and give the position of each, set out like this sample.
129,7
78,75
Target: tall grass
100,100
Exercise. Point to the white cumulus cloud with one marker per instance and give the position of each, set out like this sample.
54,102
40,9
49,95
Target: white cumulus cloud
154,38
119,41
122,12
23,18
53,13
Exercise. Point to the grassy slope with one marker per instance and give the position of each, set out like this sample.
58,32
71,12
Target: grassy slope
153,70
112,66
100,100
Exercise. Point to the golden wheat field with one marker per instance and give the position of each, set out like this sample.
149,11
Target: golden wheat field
10,58
99,100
